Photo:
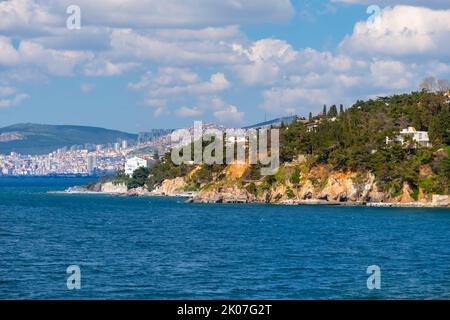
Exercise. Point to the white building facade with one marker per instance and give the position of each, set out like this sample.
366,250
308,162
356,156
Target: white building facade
420,137
135,163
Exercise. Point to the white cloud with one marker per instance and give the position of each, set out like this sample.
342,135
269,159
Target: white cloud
174,13
185,112
295,100
165,77
302,81
322,79
438,4
268,49
27,17
7,91
170,49
31,54
216,83
170,76
159,106
204,105
104,68
394,73
188,39
265,60
10,97
8,54
402,31
229,115
173,86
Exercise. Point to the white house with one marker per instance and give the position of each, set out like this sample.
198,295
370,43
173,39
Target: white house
420,137
136,162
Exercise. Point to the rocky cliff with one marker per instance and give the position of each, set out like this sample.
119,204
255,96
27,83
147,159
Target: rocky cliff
320,185
170,187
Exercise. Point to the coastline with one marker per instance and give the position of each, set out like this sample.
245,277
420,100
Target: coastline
120,194
191,198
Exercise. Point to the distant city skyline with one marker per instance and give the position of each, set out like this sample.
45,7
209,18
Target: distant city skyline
165,64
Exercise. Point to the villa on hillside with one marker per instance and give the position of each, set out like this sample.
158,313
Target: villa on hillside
135,163
311,126
420,137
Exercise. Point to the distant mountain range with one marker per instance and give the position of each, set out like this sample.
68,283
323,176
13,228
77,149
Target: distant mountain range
35,139
275,122
28,138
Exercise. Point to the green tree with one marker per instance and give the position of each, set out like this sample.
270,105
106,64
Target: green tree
295,178
332,113
440,127
139,178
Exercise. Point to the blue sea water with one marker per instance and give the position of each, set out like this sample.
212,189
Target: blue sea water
162,248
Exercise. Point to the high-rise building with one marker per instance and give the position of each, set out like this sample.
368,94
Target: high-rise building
124,144
91,164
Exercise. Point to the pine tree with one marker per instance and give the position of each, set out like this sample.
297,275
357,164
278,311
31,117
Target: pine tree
333,111
324,113
310,117
341,109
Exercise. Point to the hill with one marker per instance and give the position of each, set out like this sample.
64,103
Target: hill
35,139
275,123
336,158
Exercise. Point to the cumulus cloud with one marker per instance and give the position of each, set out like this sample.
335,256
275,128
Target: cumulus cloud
29,53
205,105
27,17
403,45
201,52
172,13
166,76
100,68
398,75
8,54
185,112
265,60
437,4
317,78
402,31
295,100
170,82
229,115
173,86
167,48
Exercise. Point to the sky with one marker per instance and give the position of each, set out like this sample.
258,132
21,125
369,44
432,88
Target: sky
134,65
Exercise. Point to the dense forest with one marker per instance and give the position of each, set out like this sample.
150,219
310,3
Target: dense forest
349,140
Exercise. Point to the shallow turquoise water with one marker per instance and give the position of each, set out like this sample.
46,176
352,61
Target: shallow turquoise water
161,248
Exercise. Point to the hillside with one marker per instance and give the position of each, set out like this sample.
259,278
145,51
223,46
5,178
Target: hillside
41,139
335,157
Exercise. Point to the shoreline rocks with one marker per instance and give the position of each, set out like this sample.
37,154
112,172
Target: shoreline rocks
320,186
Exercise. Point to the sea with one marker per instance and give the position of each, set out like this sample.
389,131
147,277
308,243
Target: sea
164,248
